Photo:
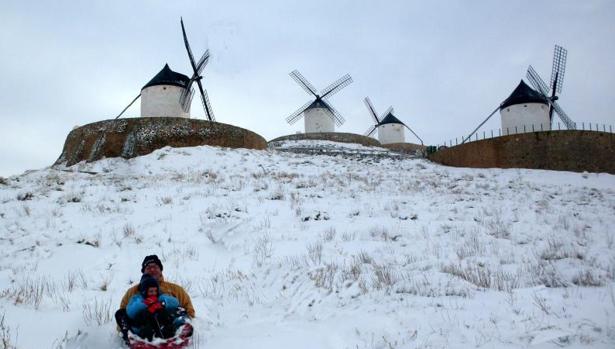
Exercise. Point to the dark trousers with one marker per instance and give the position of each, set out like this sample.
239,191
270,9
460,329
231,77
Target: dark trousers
146,325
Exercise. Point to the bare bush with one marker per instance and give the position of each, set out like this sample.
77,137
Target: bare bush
324,277
75,279
383,277
496,226
30,291
165,200
128,230
329,234
63,300
6,337
545,274
353,270
556,250
484,277
315,252
97,312
587,278
471,246
262,249
541,303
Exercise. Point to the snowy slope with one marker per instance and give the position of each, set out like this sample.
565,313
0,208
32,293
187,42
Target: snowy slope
347,247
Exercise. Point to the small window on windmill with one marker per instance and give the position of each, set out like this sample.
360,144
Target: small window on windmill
507,109
164,87
525,106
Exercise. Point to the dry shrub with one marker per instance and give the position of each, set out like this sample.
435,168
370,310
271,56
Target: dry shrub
587,278
97,312
484,277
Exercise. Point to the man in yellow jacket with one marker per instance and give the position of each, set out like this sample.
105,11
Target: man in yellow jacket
153,266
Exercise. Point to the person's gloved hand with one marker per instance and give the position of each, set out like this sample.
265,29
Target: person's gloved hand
153,305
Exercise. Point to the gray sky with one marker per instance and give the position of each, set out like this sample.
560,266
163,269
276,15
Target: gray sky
443,65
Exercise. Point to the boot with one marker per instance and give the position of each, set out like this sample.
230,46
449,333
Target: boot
121,318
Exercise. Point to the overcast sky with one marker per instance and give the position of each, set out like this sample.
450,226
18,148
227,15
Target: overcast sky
443,65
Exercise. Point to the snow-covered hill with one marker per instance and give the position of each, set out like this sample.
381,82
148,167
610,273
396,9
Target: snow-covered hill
345,247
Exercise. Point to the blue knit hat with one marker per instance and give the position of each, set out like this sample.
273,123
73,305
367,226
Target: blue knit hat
146,282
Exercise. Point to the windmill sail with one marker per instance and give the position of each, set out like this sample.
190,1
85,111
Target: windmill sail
321,100
197,68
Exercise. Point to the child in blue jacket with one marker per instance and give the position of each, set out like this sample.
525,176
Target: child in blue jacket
152,313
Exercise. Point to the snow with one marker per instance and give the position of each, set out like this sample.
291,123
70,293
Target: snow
312,245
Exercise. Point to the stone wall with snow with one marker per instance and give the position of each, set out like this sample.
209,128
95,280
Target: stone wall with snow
330,136
569,150
129,138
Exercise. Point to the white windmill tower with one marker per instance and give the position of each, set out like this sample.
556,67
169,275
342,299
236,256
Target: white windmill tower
390,129
318,114
160,97
532,110
169,94
524,109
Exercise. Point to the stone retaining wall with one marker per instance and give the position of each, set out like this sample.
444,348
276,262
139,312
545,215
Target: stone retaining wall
405,148
331,136
133,137
569,150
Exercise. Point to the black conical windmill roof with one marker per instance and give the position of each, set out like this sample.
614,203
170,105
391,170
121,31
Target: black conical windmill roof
317,104
390,119
523,94
168,77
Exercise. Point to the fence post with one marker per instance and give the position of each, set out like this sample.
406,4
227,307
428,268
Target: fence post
611,128
583,125
507,131
603,128
499,132
491,133
455,140
559,126
575,125
476,136
541,126
451,142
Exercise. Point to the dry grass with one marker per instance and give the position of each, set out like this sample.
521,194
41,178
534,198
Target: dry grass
7,339
97,312
484,277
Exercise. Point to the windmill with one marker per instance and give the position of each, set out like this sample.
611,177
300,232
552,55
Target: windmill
528,109
170,93
319,114
390,129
